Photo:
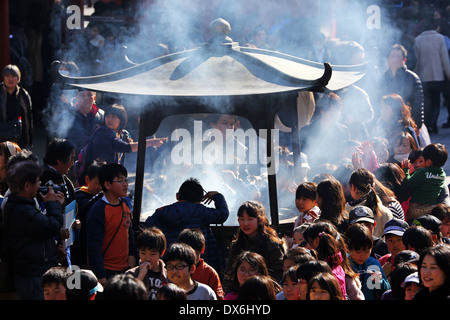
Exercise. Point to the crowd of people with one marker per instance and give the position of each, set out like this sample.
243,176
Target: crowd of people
372,214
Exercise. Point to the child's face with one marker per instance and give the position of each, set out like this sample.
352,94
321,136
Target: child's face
317,293
394,244
245,271
297,238
411,290
360,256
180,277
248,224
402,147
304,204
93,185
119,186
291,289
112,121
445,227
287,264
419,163
149,255
53,291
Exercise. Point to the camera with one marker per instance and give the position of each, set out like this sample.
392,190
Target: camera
56,188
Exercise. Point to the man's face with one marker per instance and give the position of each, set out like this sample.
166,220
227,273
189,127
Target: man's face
396,59
85,100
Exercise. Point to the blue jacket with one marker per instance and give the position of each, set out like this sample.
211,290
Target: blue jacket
173,218
371,289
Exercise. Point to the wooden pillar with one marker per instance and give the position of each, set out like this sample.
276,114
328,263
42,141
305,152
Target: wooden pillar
5,58
271,171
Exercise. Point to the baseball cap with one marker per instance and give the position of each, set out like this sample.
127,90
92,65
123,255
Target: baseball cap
396,227
429,222
361,214
406,256
413,277
82,284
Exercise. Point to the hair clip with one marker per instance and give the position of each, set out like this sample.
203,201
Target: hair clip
320,234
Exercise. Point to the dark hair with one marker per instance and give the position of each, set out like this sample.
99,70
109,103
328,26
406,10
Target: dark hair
415,154
256,209
398,275
180,251
308,269
399,47
327,282
119,111
109,171
257,288
306,190
364,181
401,111
191,190
171,291
151,238
23,155
291,274
391,176
252,258
333,200
192,237
441,211
437,153
59,149
358,237
20,173
328,246
55,275
300,255
418,238
124,287
441,253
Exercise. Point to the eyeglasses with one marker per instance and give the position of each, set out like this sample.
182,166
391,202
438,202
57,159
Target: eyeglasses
126,181
178,267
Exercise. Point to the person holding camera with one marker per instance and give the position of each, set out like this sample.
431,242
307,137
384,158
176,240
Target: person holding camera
29,234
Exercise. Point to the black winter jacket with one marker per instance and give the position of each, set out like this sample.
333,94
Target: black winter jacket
31,235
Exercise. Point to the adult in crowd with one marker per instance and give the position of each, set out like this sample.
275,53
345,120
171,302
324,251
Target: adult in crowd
15,108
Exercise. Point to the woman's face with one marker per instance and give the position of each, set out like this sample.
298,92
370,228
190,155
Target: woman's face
402,146
291,289
431,274
11,81
225,122
386,114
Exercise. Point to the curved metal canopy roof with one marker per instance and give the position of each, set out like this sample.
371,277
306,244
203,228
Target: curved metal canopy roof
220,68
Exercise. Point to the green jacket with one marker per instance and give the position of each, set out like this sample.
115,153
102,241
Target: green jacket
425,184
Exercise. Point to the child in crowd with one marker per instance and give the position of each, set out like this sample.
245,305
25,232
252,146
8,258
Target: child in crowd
54,283
402,146
124,287
324,286
171,291
411,285
398,276
258,288
426,183
85,196
151,244
323,237
204,273
290,284
296,256
180,264
256,235
306,271
372,278
190,212
110,238
305,201
82,284
393,233
417,239
247,264
416,160
297,235
442,212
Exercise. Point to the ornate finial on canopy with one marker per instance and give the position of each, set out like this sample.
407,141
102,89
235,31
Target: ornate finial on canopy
220,29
